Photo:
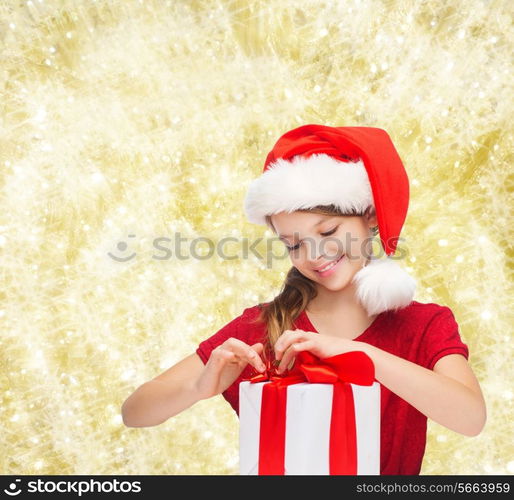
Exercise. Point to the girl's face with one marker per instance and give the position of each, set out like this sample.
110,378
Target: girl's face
327,249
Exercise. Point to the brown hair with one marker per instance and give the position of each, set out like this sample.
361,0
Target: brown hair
297,290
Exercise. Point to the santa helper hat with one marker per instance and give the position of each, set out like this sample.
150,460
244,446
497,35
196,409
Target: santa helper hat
351,168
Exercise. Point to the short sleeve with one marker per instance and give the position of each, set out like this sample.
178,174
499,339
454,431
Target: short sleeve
229,330
442,338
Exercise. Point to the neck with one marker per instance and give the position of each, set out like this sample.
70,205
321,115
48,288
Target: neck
338,302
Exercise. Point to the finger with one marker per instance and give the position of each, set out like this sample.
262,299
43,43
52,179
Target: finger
218,360
245,352
258,347
220,356
292,352
286,339
283,343
287,357
256,361
208,383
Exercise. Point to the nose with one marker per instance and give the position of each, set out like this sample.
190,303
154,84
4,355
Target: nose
323,252
315,253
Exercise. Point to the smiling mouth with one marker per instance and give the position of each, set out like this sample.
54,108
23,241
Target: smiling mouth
330,266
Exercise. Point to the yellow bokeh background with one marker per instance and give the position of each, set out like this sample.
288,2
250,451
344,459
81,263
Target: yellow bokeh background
124,121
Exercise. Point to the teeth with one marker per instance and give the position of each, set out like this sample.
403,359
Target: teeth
332,264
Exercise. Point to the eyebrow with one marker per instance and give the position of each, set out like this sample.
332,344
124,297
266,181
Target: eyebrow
317,224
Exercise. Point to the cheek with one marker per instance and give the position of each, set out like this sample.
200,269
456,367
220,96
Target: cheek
298,260
358,247
333,248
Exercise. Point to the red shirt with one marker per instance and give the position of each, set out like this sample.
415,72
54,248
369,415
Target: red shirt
421,333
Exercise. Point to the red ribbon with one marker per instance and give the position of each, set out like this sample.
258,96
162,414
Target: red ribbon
341,370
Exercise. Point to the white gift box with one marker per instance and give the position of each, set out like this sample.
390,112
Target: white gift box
308,417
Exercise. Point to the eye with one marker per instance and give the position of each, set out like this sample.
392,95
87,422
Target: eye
290,249
332,231
328,233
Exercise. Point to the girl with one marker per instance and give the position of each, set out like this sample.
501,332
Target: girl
325,192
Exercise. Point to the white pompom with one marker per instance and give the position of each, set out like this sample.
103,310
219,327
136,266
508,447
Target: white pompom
383,285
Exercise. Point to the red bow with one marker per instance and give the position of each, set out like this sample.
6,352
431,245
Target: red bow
341,370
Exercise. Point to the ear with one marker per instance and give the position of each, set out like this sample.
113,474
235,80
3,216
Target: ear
371,216
270,225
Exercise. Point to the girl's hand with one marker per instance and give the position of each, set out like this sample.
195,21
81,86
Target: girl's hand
225,364
291,342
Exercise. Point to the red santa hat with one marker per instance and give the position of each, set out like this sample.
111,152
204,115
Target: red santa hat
352,168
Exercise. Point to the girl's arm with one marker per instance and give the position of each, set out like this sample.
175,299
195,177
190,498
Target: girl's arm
164,396
450,394
189,381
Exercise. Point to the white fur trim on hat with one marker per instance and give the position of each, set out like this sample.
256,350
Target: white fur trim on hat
320,179
383,285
